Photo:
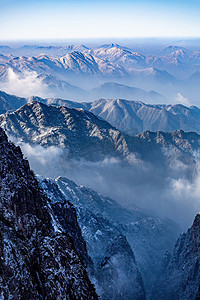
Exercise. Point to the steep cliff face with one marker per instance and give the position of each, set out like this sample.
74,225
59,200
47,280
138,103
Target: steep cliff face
38,257
101,219
181,278
115,272
122,243
118,265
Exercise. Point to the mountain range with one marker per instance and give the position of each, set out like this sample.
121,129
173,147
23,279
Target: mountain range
77,72
83,134
80,233
72,63
130,117
133,117
170,56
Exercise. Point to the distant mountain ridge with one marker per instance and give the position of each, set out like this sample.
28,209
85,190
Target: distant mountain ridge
109,59
112,90
131,117
168,73
72,63
111,51
84,135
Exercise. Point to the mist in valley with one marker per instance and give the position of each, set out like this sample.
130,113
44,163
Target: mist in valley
167,192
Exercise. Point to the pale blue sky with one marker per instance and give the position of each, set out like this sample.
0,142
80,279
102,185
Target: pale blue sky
50,19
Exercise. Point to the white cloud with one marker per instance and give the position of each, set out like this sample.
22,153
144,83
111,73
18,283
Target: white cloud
167,192
169,195
182,100
25,84
41,154
185,190
46,161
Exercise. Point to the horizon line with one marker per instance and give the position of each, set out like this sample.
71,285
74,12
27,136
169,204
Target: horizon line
101,38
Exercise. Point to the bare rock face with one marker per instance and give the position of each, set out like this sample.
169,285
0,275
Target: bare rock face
119,266
38,259
181,278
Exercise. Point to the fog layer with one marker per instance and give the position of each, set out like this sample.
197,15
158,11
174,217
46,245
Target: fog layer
166,192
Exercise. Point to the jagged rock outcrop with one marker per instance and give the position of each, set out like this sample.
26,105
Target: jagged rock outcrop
38,259
181,278
118,265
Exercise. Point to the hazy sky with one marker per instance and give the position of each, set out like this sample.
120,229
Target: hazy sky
64,19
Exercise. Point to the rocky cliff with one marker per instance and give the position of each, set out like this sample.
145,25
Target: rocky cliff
180,279
38,257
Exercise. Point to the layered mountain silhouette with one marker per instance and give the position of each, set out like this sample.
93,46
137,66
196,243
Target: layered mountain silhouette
131,117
